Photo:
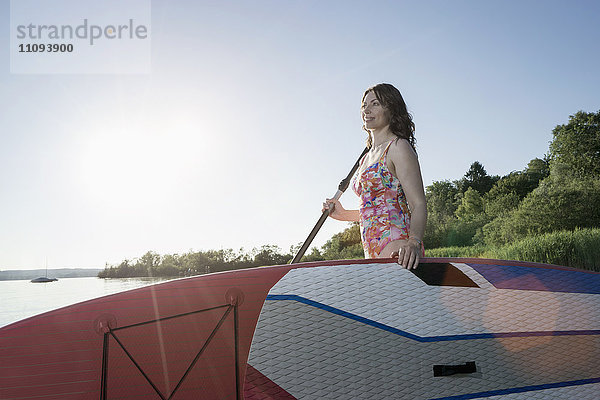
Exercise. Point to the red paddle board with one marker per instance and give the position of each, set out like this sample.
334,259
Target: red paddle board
453,329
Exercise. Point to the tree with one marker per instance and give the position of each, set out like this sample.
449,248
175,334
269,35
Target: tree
170,265
471,205
441,205
344,245
351,236
270,255
148,262
470,218
568,195
577,144
554,205
538,169
441,199
510,190
477,178
314,255
194,263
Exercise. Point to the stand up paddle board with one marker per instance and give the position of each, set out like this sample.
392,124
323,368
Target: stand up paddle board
353,329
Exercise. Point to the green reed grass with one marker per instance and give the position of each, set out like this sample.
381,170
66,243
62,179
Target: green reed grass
579,249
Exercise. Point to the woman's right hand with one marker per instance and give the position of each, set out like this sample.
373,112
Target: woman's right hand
335,208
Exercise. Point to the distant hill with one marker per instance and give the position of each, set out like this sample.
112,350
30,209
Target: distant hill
11,275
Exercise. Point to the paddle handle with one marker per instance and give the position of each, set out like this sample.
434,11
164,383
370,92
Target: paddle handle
341,189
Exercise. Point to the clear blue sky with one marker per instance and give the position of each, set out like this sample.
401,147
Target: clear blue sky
250,118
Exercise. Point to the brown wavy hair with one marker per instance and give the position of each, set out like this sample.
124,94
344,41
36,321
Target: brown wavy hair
401,123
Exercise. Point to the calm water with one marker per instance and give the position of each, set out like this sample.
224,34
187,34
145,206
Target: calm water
23,299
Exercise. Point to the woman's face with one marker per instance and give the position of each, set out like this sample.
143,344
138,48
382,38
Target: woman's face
374,115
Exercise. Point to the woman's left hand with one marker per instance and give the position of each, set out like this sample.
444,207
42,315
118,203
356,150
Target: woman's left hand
409,254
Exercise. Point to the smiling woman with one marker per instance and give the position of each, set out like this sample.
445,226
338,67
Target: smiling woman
393,211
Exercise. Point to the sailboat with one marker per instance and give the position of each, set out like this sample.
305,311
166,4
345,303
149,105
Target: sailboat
44,279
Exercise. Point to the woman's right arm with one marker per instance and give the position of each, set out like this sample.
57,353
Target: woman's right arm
336,211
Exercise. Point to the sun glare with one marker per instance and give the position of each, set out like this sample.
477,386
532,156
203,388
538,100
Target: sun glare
135,168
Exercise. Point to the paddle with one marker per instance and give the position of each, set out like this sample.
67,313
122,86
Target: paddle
341,189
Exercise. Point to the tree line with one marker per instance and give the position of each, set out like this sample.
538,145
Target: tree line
195,262
560,191
557,192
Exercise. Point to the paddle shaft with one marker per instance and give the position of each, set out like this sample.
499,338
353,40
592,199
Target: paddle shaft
341,189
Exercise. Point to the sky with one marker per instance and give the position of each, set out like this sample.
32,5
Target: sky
249,118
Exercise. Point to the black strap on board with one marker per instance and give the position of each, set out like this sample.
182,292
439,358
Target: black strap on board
448,370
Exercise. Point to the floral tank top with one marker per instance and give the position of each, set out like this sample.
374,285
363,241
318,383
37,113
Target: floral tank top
384,213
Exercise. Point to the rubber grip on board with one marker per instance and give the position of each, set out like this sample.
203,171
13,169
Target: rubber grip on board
448,370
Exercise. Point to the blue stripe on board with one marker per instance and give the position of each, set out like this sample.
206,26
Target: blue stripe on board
342,313
520,389
544,279
405,334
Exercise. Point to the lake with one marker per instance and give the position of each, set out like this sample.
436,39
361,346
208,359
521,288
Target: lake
23,299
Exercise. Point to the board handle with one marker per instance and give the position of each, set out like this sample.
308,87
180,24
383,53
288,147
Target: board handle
448,370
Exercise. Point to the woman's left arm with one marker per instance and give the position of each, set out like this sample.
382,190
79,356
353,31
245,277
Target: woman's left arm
404,164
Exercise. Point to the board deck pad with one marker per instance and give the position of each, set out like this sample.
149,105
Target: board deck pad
339,329
377,331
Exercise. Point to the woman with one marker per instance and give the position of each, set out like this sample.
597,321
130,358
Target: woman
393,211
